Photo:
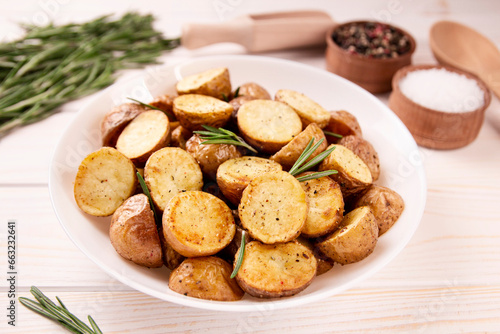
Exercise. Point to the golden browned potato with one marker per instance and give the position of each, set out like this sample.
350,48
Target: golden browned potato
105,179
116,120
324,264
363,149
205,278
169,171
251,89
214,82
194,110
353,174
164,102
279,270
146,134
326,206
268,125
234,175
386,205
289,153
354,240
133,232
196,223
210,156
308,110
180,136
343,123
273,207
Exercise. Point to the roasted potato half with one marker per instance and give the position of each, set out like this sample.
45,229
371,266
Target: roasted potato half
324,264
363,149
205,278
234,175
386,205
273,207
169,171
133,232
289,153
146,134
354,240
196,223
308,110
116,120
279,270
268,125
194,110
214,82
211,156
343,123
105,179
252,89
353,174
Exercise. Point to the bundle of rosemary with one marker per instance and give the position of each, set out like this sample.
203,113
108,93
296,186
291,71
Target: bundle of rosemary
52,65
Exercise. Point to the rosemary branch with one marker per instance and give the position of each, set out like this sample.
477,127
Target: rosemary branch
150,199
240,256
170,115
301,165
222,136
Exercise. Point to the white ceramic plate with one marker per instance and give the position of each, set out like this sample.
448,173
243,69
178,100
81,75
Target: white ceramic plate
401,170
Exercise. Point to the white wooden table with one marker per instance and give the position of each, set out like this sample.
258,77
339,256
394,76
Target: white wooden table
446,280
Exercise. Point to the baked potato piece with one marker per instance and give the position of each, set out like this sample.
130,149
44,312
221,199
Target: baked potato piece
194,110
343,123
210,156
205,278
363,149
279,270
180,135
252,89
234,175
354,240
268,125
169,171
116,120
273,207
353,174
291,152
144,135
308,110
133,232
324,264
213,82
386,205
196,223
326,206
105,179
165,103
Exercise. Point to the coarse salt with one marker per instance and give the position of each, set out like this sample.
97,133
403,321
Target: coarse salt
442,90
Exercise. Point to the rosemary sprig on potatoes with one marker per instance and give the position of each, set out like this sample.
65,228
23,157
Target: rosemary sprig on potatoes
302,164
241,253
170,115
222,136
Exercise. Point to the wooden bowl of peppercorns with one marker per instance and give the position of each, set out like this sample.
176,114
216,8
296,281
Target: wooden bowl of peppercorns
368,53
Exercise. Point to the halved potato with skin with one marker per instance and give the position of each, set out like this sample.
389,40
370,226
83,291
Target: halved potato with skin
324,264
213,82
105,179
170,171
206,278
180,135
268,125
354,240
133,232
273,207
252,89
196,223
116,120
343,123
363,149
234,175
194,110
146,134
308,110
279,270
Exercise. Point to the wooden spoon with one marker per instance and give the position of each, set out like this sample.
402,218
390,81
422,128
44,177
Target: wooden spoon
459,46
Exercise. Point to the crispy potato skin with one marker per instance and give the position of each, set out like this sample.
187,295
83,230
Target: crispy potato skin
354,240
234,175
195,110
105,179
273,207
213,82
205,278
289,153
279,270
343,123
252,89
164,102
308,110
196,223
210,156
116,120
386,205
133,232
363,149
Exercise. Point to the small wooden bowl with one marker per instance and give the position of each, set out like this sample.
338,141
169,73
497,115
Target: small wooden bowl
437,129
372,74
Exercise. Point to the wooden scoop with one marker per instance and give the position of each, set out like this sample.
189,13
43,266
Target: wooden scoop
262,32
459,46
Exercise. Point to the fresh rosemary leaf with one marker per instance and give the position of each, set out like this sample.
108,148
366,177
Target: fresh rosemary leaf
240,256
316,175
301,165
306,153
332,134
236,92
316,160
148,194
222,136
170,115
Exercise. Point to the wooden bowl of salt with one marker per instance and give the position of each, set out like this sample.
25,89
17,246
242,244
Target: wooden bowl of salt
443,107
